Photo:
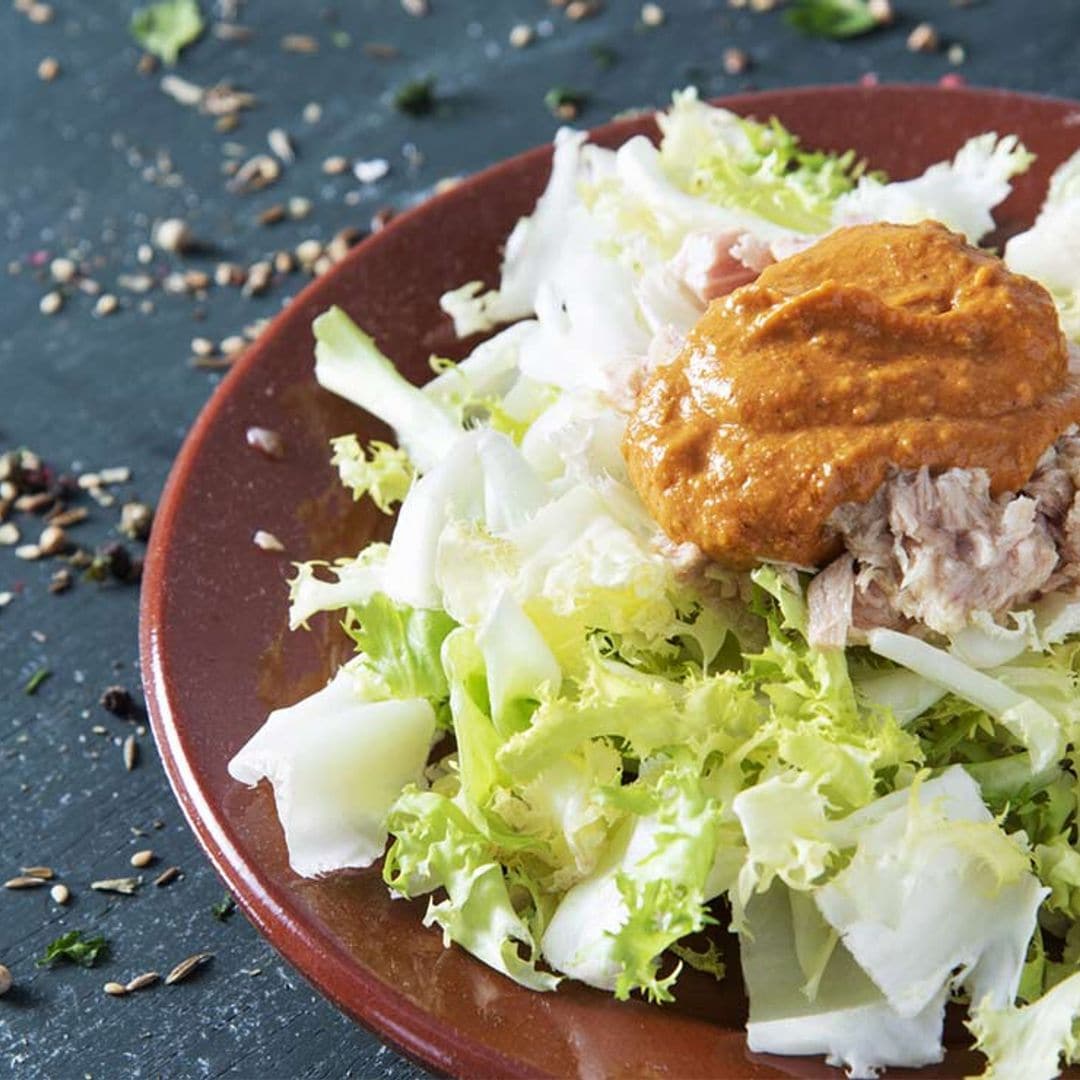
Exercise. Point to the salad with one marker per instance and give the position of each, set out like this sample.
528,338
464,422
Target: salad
585,741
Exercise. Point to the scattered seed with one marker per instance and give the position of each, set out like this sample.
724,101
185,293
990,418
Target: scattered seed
735,61
417,98
335,165
258,281
233,345
232,32
40,13
343,239
130,752
256,173
312,112
381,218
184,969
521,36
9,533
281,144
115,474
173,234
322,264
416,8
62,270
201,346
5,598
5,980
300,43
957,54
272,215
166,876
126,886
564,102
135,520
267,442
881,11
369,172
43,872
89,286
142,858
115,989
24,881
196,280
28,552
308,251
228,274
48,69
379,50
141,982
267,541
284,263
61,581
53,541
51,303
577,10
924,38
652,15
60,893
106,305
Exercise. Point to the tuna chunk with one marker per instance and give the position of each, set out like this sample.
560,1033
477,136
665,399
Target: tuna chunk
927,552
714,264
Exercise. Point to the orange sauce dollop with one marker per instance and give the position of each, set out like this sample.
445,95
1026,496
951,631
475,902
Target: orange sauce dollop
880,347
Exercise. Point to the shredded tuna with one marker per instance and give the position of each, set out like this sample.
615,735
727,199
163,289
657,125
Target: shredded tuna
928,552
714,264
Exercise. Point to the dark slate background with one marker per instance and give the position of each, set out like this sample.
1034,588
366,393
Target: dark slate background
89,393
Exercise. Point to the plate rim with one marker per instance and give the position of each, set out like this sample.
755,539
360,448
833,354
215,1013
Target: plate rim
390,1015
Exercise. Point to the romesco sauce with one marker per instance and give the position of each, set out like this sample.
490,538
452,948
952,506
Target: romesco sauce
880,347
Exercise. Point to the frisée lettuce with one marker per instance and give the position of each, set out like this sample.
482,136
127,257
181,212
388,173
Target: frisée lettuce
585,743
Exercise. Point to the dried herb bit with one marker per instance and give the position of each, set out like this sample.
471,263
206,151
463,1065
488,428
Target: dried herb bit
222,910
832,18
565,102
35,680
604,57
73,948
167,27
417,98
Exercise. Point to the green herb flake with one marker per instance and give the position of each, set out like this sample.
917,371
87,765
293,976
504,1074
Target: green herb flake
417,98
565,102
224,908
709,960
167,27
73,948
604,57
342,39
35,680
832,18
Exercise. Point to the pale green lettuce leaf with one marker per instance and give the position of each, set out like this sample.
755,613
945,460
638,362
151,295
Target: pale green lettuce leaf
337,763
166,27
384,472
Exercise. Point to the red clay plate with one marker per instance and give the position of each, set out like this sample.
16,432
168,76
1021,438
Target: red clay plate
217,654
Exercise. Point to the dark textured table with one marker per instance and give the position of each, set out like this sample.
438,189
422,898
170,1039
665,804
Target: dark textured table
89,161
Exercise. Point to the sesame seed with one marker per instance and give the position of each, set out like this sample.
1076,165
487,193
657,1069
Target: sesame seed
201,346
281,144
173,234
299,207
48,69
312,113
142,858
335,165
115,989
735,61
233,344
51,303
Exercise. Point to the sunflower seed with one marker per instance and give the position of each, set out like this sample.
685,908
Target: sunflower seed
140,982
43,872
